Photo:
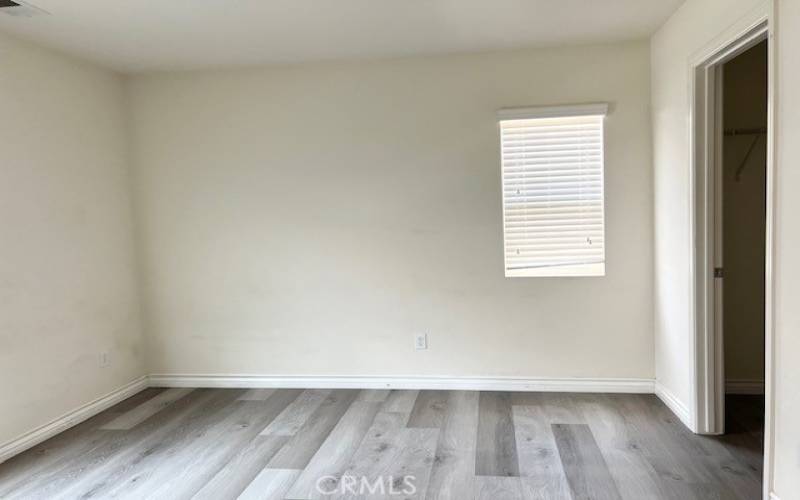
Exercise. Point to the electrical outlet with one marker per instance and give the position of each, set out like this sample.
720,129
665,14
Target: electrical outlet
421,341
103,359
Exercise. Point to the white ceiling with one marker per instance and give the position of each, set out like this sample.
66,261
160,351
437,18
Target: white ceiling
143,35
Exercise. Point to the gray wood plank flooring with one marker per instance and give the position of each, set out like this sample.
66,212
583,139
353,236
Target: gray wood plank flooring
539,461
428,411
376,444
296,414
453,471
583,462
299,450
145,410
497,444
333,457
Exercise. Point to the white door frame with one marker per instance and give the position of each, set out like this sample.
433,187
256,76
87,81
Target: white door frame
705,225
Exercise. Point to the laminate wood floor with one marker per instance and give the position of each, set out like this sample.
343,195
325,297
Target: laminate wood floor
320,444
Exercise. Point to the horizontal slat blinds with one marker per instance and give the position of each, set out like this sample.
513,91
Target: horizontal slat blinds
552,169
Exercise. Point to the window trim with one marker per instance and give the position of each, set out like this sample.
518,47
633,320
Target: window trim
537,112
532,113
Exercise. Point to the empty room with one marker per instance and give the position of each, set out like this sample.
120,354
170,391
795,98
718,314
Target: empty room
383,249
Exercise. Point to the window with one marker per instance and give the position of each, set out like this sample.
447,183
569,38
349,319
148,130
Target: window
552,169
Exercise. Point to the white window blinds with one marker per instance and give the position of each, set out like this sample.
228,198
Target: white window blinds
552,169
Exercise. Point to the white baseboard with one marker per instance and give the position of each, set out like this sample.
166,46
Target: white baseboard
674,404
755,387
618,385
64,422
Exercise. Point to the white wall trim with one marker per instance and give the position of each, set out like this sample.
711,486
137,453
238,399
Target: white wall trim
674,404
705,227
72,418
773,496
619,385
599,109
755,387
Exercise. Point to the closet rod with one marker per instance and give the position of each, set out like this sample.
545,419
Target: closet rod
746,131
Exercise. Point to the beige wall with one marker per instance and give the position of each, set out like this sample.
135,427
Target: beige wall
787,266
693,27
67,286
744,215
311,219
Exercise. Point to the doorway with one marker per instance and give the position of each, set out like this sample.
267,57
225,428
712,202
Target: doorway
732,240
743,163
